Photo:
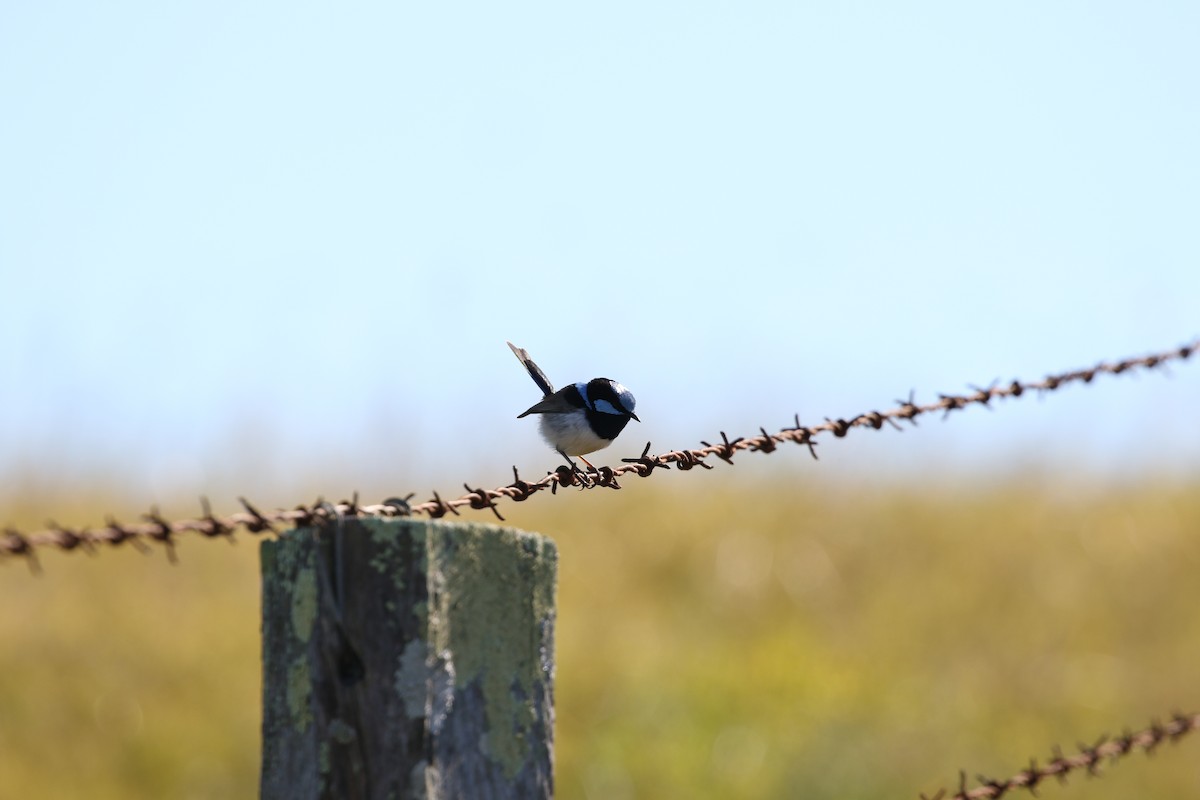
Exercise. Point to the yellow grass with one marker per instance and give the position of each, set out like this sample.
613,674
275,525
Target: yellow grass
714,641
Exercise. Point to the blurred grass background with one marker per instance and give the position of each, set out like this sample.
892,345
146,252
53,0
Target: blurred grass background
717,638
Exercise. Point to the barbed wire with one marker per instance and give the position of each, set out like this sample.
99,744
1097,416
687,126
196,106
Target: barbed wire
1090,758
154,528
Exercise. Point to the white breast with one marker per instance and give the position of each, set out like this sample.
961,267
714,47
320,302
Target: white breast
570,433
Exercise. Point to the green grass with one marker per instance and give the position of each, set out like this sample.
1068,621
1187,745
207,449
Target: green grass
715,640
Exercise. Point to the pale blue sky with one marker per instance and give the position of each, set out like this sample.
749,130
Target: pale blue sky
246,244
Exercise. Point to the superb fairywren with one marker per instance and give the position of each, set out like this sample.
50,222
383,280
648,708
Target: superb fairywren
581,418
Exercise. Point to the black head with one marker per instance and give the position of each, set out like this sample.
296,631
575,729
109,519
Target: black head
606,396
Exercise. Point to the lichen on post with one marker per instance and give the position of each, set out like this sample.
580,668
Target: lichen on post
405,658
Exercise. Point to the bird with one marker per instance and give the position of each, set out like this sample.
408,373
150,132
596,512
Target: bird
580,418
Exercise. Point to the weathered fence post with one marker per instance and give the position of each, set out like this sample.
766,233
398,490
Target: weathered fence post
405,658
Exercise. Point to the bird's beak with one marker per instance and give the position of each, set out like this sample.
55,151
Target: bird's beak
635,419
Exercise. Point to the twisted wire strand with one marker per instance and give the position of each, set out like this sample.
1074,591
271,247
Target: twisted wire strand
155,528
1090,758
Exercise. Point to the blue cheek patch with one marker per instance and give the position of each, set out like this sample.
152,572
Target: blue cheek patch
606,407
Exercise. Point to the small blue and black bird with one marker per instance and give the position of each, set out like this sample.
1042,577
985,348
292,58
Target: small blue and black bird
581,418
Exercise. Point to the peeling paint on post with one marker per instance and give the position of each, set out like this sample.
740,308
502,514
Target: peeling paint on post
431,677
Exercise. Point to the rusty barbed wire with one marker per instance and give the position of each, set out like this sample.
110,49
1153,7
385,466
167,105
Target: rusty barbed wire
154,528
1089,758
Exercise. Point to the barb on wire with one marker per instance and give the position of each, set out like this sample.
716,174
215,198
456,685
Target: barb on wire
1089,758
16,543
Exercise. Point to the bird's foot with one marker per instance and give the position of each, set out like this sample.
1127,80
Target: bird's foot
585,480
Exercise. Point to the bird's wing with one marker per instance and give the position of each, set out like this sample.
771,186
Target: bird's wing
551,404
535,371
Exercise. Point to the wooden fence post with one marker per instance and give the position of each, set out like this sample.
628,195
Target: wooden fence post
405,658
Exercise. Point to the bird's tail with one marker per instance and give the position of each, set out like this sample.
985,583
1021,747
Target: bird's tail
535,371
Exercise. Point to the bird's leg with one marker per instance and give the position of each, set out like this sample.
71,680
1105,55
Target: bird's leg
591,470
584,479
